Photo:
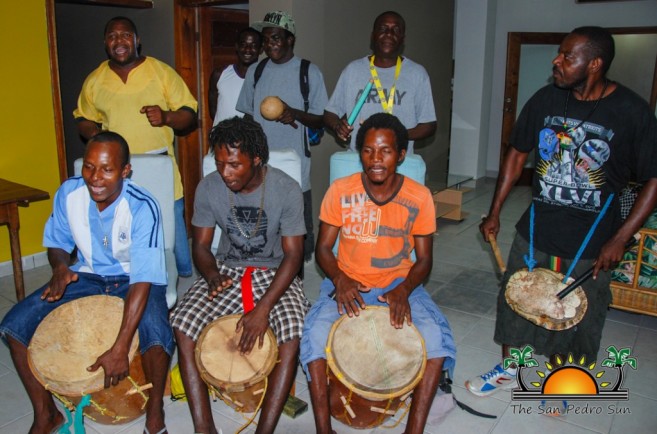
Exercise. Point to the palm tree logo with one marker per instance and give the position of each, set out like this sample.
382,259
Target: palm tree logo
522,359
617,359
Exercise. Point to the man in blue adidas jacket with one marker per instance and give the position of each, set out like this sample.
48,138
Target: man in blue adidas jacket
117,229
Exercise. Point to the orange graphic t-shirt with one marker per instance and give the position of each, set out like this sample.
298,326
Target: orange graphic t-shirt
376,241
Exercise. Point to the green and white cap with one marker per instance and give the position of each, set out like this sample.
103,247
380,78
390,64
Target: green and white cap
280,19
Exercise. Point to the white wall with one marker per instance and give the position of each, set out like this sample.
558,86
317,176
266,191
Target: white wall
473,33
519,16
627,69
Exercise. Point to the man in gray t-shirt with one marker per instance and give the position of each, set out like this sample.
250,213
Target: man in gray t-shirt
254,273
411,102
280,77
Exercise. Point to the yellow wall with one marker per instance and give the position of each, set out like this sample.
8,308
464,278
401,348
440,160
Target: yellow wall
28,153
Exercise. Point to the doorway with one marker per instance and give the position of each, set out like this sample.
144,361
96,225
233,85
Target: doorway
219,30
75,38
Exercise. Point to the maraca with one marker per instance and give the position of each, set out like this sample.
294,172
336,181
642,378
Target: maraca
271,108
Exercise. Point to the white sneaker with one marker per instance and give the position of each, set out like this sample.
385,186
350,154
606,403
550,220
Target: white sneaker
492,381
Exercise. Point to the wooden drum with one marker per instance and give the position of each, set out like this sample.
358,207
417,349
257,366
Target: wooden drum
240,380
373,367
69,340
533,295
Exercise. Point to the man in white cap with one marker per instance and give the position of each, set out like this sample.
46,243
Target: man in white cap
279,75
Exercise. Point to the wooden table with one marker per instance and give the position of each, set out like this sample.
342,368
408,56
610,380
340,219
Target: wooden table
12,196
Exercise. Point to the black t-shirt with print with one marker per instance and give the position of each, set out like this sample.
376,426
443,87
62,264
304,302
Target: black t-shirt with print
577,170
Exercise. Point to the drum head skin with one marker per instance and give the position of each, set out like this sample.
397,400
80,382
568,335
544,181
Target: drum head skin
532,295
71,338
220,362
374,359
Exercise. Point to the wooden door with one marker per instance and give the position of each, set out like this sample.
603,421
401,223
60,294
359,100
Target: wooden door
218,36
194,62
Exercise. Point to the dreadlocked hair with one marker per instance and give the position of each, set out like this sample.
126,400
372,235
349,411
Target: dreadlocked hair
243,134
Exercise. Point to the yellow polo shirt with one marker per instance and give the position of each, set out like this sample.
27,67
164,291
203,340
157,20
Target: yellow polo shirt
107,100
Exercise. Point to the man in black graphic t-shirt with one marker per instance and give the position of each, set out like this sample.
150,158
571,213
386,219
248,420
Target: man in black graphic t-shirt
591,135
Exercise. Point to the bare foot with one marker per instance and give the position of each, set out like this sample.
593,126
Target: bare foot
155,422
48,424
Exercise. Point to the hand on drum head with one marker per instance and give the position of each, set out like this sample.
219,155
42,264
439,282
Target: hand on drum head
60,279
400,309
347,295
116,365
217,284
254,325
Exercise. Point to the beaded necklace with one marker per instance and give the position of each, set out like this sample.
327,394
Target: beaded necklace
595,106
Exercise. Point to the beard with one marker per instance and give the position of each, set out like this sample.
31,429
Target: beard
576,82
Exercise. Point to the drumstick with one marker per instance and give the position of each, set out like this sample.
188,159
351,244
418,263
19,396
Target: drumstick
570,288
496,252
359,104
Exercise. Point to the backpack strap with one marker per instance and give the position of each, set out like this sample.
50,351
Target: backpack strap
304,85
258,71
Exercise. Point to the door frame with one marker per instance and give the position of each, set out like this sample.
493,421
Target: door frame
515,40
192,64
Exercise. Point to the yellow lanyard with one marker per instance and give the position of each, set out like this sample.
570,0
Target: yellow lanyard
387,105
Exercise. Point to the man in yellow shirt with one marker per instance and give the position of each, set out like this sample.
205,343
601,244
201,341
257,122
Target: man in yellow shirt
145,101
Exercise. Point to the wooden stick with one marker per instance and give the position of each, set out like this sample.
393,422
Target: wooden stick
382,411
347,407
139,389
496,252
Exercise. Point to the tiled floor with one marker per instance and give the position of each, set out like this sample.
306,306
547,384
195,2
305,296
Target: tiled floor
464,284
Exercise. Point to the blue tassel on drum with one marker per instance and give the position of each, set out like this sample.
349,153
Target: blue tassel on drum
79,414
78,420
529,259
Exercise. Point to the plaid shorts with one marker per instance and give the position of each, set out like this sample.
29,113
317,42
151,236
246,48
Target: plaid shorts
196,310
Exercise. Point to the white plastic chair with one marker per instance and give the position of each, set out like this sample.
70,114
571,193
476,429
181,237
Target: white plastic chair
345,163
155,174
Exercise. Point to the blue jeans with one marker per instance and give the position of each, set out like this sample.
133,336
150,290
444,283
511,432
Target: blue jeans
154,329
427,318
181,248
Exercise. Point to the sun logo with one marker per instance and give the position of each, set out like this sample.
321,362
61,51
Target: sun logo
569,378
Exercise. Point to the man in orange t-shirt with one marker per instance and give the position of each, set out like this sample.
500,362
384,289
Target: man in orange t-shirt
381,217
